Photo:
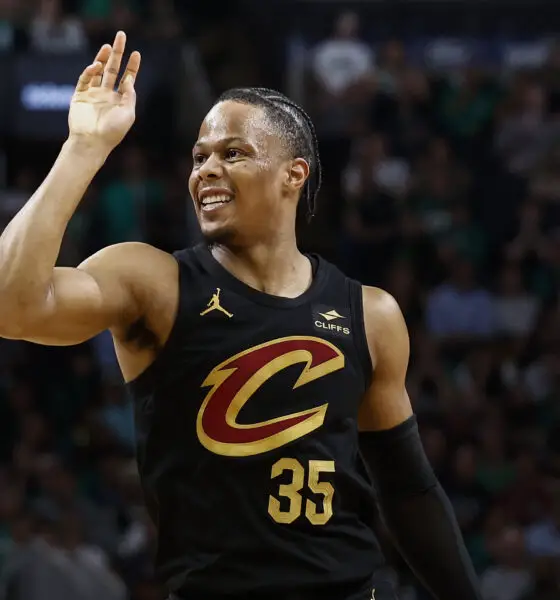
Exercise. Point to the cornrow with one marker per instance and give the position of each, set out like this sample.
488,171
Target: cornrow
296,128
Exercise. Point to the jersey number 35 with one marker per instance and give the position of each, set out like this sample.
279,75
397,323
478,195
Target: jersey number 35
288,512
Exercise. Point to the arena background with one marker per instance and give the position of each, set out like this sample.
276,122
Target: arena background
439,126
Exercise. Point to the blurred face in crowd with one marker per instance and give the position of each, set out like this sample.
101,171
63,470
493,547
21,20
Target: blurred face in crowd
413,84
347,25
244,183
401,280
534,98
510,548
55,480
393,55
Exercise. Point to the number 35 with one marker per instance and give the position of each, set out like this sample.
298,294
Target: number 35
292,490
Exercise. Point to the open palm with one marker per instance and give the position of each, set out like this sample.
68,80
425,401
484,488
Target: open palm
98,112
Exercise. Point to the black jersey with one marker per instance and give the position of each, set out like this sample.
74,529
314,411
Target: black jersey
247,437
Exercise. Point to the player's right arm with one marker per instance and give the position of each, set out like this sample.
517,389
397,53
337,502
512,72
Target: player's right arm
38,301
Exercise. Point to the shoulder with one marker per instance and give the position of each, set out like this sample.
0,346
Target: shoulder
381,310
148,277
148,280
385,327
131,261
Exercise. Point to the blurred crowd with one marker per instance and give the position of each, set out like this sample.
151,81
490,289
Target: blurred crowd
441,187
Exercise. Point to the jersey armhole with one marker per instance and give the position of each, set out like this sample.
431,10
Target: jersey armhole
358,324
144,381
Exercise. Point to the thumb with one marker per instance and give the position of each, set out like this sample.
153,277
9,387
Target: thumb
128,91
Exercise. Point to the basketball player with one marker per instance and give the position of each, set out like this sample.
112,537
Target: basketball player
252,367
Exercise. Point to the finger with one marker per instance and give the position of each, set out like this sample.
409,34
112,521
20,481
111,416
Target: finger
87,75
102,57
131,72
114,63
127,90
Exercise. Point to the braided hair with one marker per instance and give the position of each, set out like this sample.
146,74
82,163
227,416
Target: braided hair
296,129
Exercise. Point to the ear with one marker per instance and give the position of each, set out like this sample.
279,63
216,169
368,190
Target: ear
298,173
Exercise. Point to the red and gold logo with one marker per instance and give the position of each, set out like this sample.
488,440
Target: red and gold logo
235,380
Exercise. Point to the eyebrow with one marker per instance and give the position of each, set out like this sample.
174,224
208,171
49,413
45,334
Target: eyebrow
226,140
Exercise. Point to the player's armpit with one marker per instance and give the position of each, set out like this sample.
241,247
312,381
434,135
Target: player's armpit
386,404
104,292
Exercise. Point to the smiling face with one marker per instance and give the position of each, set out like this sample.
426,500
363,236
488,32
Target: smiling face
244,183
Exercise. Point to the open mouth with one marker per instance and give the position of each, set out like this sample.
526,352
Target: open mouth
213,202
214,198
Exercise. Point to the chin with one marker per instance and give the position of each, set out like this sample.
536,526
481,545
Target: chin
218,235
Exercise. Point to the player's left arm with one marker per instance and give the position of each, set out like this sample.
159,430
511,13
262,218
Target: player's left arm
414,506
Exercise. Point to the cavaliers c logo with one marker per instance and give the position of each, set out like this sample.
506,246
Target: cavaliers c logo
236,379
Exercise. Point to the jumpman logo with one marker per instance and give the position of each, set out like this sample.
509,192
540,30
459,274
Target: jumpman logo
214,304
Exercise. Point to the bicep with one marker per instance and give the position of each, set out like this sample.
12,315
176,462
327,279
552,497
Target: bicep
386,403
81,303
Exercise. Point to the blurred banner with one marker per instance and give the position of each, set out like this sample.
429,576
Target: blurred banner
36,91
443,53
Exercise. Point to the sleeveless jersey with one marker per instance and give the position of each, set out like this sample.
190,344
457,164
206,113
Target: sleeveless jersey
247,438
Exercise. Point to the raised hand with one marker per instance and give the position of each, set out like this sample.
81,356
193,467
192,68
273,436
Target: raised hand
99,114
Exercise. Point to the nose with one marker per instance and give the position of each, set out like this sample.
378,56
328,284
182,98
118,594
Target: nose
211,169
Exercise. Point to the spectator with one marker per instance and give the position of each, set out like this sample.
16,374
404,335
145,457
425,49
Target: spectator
164,22
59,495
460,308
391,64
389,173
527,499
57,564
543,538
11,36
510,578
406,114
470,500
516,309
495,472
118,416
343,59
126,203
100,17
342,72
524,132
466,105
53,32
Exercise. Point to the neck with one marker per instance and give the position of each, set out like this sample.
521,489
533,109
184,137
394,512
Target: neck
278,269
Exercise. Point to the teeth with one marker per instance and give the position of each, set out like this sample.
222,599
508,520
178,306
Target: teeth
222,199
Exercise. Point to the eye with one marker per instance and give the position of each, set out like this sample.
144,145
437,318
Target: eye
198,159
232,154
